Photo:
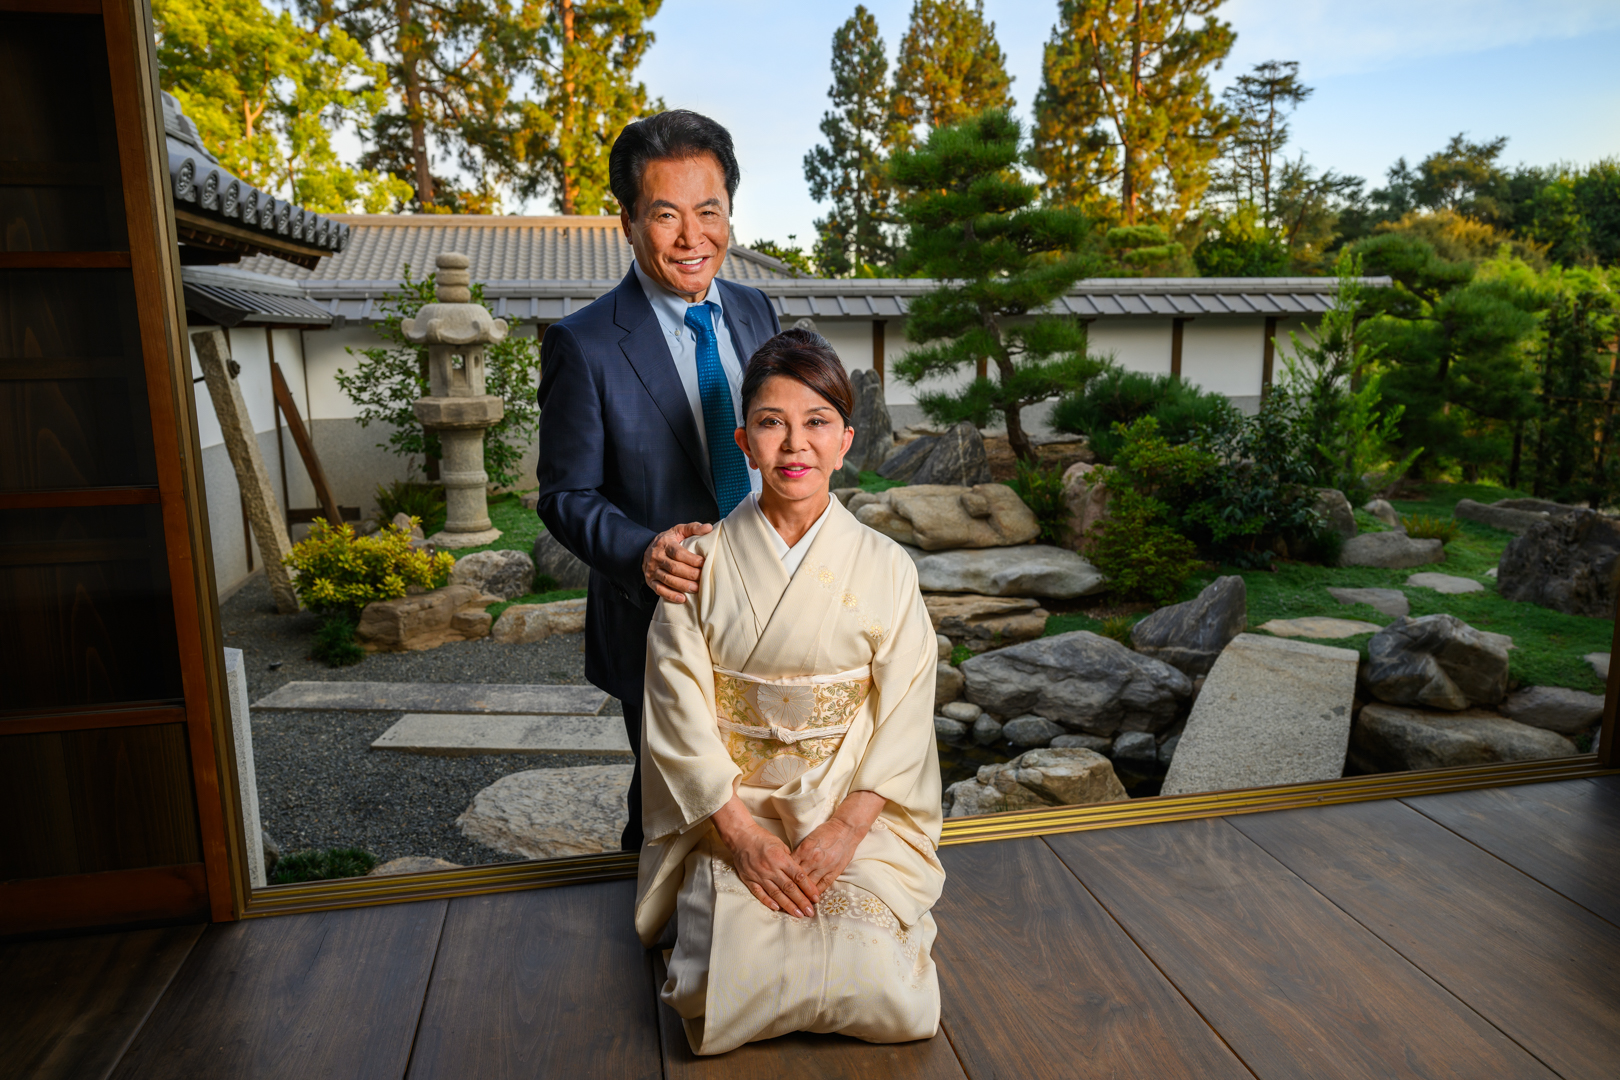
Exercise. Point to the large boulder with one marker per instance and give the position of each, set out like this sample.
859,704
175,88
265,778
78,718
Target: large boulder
957,458
874,431
1030,731
1436,662
426,620
1384,512
1566,563
506,574
948,682
1498,516
549,813
1085,682
556,562
1390,551
1047,777
941,517
985,622
1031,570
1086,499
902,464
1555,708
1334,510
524,623
1191,635
1387,738
1537,506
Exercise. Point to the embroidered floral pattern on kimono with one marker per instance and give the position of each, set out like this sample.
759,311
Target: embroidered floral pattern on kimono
777,731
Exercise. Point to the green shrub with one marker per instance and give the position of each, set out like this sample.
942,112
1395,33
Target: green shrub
1118,628
335,645
1118,397
1042,491
960,653
411,498
325,865
1418,527
338,571
1141,554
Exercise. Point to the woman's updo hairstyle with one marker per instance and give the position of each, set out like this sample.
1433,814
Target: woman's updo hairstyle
805,356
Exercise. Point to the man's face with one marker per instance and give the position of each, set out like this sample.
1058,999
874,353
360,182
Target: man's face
682,224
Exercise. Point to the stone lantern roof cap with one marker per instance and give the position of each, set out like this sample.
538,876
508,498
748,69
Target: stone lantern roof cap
454,319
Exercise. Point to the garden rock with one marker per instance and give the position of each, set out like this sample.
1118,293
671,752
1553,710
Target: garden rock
948,683
1032,570
506,574
945,646
952,731
1566,563
874,431
529,500
987,730
524,623
1385,601
1436,662
1498,516
403,523
1450,584
1319,626
272,851
1167,749
1390,551
1030,731
1084,682
424,621
1600,664
903,464
1046,777
1136,748
553,560
986,622
548,813
1087,501
937,517
1190,635
1334,510
1083,742
968,797
957,458
412,864
1537,506
844,494
1555,708
1272,711
1384,512
965,711
1388,738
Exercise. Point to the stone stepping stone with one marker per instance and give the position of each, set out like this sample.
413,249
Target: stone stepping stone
1600,664
462,735
1271,711
1386,601
518,698
551,813
1319,626
1450,584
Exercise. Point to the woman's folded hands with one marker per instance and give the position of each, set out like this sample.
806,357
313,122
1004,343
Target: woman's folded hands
793,881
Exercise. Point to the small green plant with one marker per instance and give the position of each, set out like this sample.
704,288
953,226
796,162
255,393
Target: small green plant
1042,491
335,645
313,865
1118,628
1420,527
1142,556
412,498
338,571
959,654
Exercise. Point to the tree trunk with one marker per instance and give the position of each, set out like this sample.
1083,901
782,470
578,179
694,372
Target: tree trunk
410,52
567,136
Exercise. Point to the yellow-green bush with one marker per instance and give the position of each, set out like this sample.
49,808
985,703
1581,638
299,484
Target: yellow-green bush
339,571
1419,527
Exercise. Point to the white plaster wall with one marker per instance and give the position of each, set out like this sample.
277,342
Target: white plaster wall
323,355
850,338
1224,356
1134,344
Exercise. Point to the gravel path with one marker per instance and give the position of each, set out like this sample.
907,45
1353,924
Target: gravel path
320,784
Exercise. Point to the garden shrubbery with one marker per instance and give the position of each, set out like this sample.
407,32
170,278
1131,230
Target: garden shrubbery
1119,397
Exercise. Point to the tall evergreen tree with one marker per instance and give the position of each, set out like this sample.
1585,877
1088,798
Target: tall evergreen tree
950,67
849,168
1125,122
1000,260
1260,102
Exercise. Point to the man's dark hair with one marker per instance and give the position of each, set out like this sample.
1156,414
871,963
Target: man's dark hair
674,135
806,357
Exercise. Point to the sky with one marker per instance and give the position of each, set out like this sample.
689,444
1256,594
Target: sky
1391,78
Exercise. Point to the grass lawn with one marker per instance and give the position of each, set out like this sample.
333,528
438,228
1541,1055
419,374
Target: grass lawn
1549,645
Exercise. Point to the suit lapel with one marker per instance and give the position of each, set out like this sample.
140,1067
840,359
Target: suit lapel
744,337
647,352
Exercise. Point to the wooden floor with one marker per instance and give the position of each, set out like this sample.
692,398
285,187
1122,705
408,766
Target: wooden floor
1470,935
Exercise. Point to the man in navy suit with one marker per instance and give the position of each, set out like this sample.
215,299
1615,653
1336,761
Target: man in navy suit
639,396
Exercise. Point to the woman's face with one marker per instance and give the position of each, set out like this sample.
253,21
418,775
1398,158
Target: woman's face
794,437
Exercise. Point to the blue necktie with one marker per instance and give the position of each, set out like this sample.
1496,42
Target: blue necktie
726,463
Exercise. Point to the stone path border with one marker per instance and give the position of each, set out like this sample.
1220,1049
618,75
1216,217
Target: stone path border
462,735
513,698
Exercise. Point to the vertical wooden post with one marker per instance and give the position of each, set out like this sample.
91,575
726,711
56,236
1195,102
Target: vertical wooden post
1268,357
877,349
281,446
1177,328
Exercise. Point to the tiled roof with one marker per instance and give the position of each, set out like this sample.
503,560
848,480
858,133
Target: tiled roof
231,297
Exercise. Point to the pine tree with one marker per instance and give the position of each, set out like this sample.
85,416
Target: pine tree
950,67
1125,122
1260,102
849,168
1000,261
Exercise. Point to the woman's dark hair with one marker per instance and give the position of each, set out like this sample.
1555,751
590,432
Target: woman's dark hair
805,356
674,135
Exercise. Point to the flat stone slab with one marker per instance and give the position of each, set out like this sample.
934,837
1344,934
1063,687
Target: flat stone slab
517,698
1600,664
1271,711
1444,583
1319,626
1387,601
550,813
463,735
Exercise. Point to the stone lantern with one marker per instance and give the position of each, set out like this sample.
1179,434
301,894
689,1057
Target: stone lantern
456,332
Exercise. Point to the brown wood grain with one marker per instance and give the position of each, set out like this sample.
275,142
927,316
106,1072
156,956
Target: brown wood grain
549,982
78,720
825,1057
1561,834
1037,978
334,994
1295,987
72,1005
1539,967
115,897
113,496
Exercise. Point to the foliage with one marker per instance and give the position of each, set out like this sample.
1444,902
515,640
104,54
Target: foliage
1572,438
389,378
268,93
998,260
849,168
1145,251
415,500
340,572
1263,492
1260,102
950,68
959,653
790,253
1239,246
1041,489
1120,397
1118,628
313,865
1420,527
1125,122
334,644
1138,545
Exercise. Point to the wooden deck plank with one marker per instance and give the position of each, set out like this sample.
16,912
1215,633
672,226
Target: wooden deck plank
1295,987
72,1005
547,982
1540,967
1039,981
824,1057
1562,834
330,994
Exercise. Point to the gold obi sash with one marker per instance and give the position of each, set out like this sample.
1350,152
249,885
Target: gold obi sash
776,730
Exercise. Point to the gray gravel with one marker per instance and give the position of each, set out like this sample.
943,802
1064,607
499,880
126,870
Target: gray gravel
320,784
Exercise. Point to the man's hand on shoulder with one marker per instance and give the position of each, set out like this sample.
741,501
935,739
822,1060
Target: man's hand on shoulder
670,569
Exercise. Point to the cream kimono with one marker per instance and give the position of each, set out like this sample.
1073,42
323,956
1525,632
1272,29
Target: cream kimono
793,692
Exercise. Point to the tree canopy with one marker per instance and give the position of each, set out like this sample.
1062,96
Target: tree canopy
950,67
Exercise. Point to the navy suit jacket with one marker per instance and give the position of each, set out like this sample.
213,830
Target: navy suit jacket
621,460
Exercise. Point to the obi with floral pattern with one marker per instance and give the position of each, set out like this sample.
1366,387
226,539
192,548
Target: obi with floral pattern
776,730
